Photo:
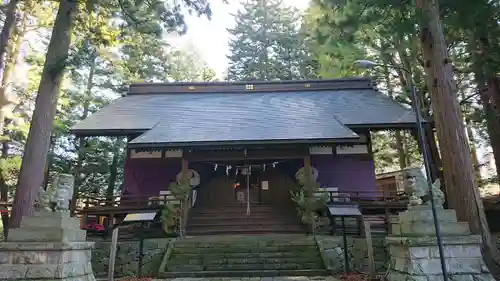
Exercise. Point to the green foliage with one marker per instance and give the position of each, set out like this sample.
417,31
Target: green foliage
181,191
267,44
308,202
10,169
172,212
115,43
386,155
170,218
386,31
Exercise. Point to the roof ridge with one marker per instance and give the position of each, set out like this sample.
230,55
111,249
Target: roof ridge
251,86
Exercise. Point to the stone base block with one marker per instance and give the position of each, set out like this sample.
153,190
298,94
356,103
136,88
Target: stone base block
423,213
51,220
432,252
399,276
418,259
39,271
432,241
48,227
433,266
46,261
45,253
419,228
47,246
46,234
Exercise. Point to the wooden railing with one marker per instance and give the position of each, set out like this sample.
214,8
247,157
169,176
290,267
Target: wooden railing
379,209
119,204
185,208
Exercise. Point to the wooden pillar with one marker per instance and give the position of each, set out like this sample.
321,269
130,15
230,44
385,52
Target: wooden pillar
307,167
369,142
185,203
184,170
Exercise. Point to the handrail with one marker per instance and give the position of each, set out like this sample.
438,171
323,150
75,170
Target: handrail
185,207
367,201
369,246
366,196
97,203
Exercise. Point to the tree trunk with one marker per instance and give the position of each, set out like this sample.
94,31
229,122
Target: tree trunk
404,79
8,28
42,124
463,194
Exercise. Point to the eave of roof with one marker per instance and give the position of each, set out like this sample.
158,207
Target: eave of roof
240,142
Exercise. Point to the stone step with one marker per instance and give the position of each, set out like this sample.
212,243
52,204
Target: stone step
246,255
249,243
211,261
231,267
246,238
243,249
246,273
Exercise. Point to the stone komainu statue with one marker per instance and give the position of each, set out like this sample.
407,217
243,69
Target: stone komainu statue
417,187
42,202
62,191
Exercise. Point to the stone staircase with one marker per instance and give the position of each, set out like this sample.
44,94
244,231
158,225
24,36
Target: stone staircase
232,219
244,256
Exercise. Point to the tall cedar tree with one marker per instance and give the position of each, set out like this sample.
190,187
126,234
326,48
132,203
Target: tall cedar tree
462,192
37,146
57,60
266,44
5,35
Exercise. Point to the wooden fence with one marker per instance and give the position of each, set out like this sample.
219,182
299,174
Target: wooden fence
379,209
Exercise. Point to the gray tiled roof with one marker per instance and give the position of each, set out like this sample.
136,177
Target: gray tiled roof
232,125
246,116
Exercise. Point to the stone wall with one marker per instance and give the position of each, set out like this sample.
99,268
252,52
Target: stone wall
127,257
332,252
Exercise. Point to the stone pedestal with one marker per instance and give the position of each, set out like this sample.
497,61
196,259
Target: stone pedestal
414,254
47,246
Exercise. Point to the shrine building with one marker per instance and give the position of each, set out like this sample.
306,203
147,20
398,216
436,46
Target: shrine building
241,145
